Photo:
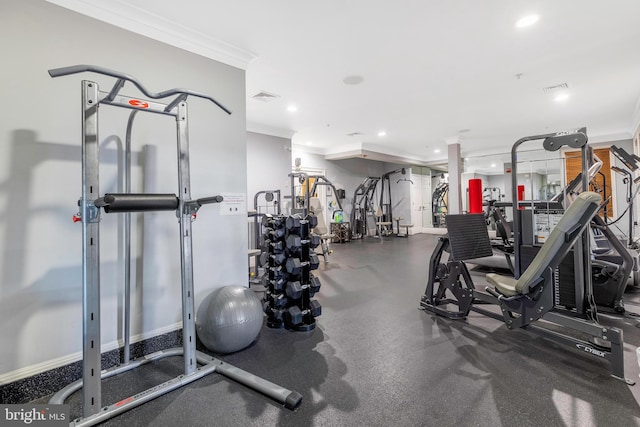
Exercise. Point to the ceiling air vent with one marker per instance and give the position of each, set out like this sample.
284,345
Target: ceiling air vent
265,96
551,89
355,134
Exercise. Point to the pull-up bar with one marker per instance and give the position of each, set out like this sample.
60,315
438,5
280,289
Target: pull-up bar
196,363
181,94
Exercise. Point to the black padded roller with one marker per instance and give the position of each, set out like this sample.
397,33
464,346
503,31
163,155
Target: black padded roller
113,202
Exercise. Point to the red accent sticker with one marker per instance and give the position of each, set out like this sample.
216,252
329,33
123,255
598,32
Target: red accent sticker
138,103
123,401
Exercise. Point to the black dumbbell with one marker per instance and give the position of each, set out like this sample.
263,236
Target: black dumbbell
277,285
294,242
264,257
274,234
277,301
294,289
293,315
314,262
314,284
277,259
275,313
274,285
276,273
314,241
272,221
293,266
312,220
274,247
315,308
292,223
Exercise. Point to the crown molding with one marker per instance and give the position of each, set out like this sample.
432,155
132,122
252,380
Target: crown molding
131,18
307,149
270,130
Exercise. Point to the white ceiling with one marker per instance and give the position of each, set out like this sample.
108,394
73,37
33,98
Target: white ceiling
431,68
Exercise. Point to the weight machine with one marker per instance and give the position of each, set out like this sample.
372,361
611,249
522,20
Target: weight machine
533,294
185,208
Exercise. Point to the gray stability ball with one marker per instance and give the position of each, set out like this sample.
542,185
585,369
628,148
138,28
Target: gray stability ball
229,319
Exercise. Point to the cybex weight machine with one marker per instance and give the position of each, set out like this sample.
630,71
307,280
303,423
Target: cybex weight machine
196,364
532,298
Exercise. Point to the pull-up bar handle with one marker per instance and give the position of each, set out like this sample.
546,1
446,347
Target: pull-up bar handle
75,69
207,200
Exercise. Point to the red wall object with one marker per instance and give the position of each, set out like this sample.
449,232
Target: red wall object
475,196
520,195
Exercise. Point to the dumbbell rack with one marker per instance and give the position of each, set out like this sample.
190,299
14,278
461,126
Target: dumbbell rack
289,283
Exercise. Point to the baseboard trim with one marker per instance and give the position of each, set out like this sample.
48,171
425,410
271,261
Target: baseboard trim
33,382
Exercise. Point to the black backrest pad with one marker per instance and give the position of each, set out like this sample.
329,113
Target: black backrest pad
468,236
579,214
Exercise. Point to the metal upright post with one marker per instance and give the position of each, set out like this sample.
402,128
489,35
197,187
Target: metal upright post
127,244
586,245
184,195
91,252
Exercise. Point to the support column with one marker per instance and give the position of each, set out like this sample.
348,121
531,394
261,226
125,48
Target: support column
454,199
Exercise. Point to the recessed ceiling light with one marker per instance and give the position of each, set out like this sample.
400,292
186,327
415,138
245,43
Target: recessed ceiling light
309,143
561,97
292,108
382,133
437,150
527,21
493,165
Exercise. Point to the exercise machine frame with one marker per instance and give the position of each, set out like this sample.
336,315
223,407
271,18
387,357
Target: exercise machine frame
362,206
185,208
257,224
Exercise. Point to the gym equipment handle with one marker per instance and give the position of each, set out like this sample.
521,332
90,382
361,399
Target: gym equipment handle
207,200
132,202
75,69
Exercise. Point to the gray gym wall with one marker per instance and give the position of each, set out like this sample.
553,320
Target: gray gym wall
268,165
40,133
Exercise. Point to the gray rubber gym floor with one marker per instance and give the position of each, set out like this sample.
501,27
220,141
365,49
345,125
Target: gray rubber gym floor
376,359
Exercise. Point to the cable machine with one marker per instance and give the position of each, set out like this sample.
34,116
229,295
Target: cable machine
319,180
185,208
631,163
439,204
362,206
385,202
